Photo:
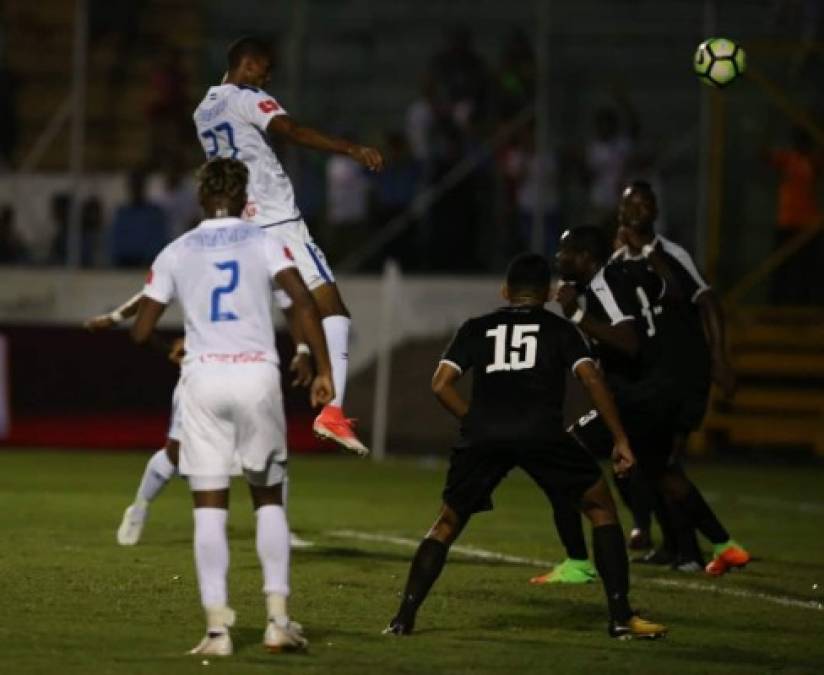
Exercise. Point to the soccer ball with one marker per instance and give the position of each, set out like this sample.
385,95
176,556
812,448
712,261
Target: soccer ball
719,61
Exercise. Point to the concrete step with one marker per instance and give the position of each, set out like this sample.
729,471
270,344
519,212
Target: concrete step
796,401
761,430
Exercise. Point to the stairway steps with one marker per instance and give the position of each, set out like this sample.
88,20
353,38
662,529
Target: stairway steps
763,429
794,401
780,364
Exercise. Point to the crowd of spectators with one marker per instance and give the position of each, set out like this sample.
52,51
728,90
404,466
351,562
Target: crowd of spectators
489,194
475,225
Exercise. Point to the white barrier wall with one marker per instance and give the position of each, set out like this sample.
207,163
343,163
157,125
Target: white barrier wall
420,306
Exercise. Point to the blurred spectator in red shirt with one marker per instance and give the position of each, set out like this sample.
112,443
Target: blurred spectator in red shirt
797,281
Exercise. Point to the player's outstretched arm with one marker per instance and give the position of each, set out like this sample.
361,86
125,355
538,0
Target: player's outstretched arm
301,364
308,317
148,314
590,376
443,386
104,321
712,315
286,127
621,336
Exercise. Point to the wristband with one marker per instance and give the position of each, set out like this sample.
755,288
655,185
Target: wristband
303,348
578,316
116,316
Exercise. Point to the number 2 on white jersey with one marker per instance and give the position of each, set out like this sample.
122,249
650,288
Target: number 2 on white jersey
523,347
234,269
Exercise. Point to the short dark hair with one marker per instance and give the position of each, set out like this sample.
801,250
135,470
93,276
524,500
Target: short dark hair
645,188
248,45
589,239
528,272
222,176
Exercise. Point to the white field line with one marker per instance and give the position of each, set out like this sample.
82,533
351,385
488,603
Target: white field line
739,593
767,502
470,551
482,554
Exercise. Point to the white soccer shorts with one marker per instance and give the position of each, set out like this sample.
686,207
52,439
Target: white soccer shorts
228,410
307,255
175,432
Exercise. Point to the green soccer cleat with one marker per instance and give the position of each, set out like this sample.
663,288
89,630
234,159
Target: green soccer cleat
568,572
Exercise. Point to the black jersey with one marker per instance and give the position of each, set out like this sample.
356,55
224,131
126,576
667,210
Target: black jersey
519,357
675,345
610,298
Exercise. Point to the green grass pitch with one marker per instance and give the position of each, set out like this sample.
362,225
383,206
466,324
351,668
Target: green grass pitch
74,602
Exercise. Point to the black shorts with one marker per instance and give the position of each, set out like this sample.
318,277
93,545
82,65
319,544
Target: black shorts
651,441
562,469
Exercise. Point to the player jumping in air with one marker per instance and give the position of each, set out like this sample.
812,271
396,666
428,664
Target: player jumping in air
223,273
519,355
236,119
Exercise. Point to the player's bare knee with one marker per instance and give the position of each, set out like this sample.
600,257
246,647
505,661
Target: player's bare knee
598,506
211,499
674,485
446,527
266,495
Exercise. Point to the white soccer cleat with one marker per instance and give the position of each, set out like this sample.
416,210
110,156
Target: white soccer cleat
286,638
131,527
217,641
296,542
214,644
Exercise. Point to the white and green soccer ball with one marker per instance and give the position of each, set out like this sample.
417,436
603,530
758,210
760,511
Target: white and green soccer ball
719,61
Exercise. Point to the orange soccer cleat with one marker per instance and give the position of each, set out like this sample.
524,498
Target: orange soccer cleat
332,425
728,556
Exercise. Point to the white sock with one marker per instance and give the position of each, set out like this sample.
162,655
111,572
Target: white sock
159,471
273,549
336,329
212,556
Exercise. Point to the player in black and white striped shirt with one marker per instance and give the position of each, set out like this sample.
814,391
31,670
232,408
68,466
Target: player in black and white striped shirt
696,343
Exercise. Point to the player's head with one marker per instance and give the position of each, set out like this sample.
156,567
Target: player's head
249,61
221,187
638,208
582,252
527,279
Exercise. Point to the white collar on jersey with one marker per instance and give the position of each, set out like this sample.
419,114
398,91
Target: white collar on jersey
220,222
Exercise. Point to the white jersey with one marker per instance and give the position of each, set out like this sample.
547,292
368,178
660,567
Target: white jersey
231,121
221,273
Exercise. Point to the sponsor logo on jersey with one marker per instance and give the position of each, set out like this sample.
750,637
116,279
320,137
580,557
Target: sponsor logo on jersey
268,106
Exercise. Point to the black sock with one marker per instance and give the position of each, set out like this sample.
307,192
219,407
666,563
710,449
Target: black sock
703,517
570,529
643,500
635,499
613,567
669,532
426,567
